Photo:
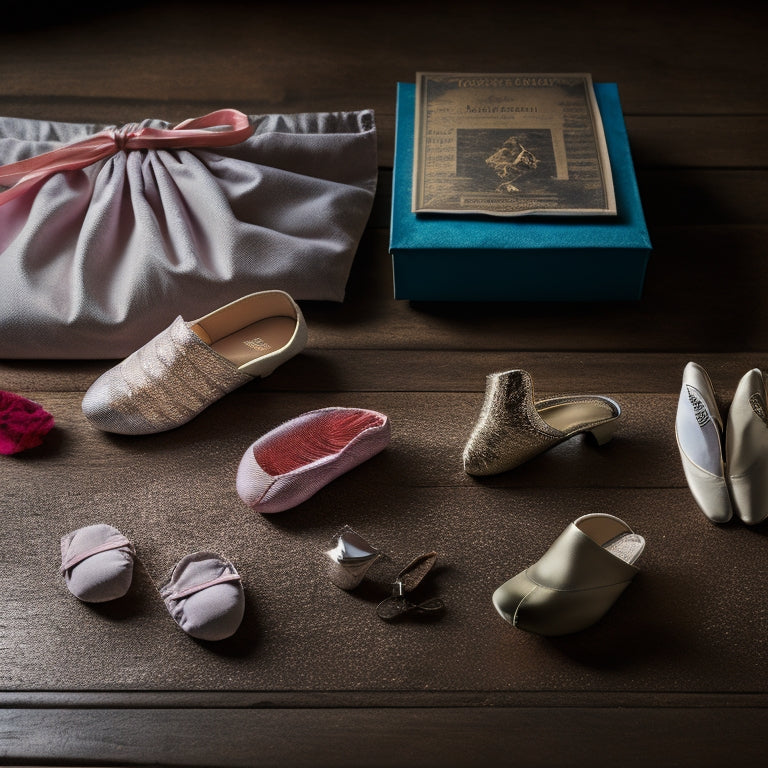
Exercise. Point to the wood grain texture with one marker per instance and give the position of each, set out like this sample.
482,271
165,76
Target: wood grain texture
522,738
689,59
673,676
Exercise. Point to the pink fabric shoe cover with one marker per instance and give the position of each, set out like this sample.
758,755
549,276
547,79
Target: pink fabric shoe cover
97,563
295,460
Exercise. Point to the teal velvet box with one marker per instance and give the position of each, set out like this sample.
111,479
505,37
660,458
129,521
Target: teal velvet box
441,257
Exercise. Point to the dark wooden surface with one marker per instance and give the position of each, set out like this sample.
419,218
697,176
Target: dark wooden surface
677,674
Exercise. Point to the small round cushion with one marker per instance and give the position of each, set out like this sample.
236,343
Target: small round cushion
204,595
97,563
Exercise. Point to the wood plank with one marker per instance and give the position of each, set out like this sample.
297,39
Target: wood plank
430,430
527,738
355,370
690,609
697,141
668,60
263,700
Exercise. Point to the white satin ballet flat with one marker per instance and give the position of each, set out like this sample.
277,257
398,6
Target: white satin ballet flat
699,434
190,365
746,448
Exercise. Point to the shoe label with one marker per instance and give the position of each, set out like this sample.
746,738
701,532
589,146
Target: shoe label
258,344
758,406
699,409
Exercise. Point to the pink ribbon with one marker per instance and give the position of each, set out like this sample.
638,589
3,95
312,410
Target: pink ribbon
216,129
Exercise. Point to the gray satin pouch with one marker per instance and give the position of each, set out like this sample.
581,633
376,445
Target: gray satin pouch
97,563
205,597
97,261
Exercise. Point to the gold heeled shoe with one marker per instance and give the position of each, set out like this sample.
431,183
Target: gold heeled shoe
513,428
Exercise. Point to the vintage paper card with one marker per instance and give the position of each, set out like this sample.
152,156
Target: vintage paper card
510,145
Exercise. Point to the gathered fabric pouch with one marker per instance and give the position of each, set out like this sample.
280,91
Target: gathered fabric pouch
109,233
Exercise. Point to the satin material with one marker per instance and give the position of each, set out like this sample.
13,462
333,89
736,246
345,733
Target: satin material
217,129
576,581
747,448
96,261
699,435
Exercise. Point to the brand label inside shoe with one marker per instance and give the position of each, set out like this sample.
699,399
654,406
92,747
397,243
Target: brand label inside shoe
699,409
258,344
758,406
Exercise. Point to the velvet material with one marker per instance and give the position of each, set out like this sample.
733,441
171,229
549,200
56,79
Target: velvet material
96,262
23,423
442,257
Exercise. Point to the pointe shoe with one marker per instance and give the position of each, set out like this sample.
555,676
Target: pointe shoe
513,428
190,365
699,435
578,579
296,459
746,448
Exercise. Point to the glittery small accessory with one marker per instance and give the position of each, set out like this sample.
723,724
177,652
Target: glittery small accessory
190,365
351,559
512,428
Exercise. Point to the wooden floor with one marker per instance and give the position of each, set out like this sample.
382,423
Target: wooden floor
675,675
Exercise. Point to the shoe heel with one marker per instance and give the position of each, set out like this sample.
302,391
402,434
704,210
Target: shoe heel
603,433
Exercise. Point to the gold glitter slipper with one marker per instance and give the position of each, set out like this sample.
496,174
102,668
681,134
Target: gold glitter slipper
189,365
513,428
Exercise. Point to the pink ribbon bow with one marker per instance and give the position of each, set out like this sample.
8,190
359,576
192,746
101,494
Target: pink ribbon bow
216,129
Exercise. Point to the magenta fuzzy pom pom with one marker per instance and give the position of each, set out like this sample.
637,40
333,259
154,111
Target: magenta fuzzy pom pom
23,424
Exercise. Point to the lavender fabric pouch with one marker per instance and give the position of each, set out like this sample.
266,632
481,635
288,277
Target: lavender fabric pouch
108,233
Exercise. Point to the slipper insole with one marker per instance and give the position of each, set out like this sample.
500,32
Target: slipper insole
256,340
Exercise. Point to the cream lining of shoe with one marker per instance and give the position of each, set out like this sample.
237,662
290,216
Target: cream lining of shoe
249,328
569,416
252,342
613,535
